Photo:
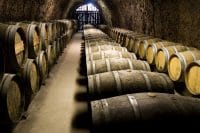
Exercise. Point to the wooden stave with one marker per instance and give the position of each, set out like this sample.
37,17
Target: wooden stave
11,63
93,49
106,54
183,63
112,64
155,49
30,92
43,72
4,88
191,90
143,46
146,82
30,29
176,49
140,111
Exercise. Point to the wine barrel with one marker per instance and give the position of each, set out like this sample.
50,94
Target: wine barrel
64,40
31,79
42,64
128,81
110,54
153,48
106,65
163,54
134,46
14,47
55,50
178,63
11,98
99,43
50,32
143,46
129,39
59,47
33,39
51,55
192,77
54,30
145,111
44,32
93,49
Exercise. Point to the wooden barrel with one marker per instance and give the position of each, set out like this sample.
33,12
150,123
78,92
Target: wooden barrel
192,78
55,49
143,46
106,65
110,54
50,33
11,98
121,41
98,43
58,44
33,39
129,39
99,48
119,34
101,42
51,55
134,45
145,111
14,47
44,32
163,54
31,79
128,81
42,64
54,30
153,48
64,40
178,63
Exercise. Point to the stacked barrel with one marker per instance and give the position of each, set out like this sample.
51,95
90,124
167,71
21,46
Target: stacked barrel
123,91
28,50
174,59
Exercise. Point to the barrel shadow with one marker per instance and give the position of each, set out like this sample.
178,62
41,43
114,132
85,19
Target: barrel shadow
82,96
82,80
82,119
82,66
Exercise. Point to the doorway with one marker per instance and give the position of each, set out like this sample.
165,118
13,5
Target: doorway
87,14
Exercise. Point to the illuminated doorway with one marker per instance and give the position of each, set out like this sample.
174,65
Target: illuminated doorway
88,14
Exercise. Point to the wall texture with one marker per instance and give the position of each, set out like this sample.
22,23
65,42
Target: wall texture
176,20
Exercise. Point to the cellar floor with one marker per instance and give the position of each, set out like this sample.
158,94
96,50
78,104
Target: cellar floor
60,106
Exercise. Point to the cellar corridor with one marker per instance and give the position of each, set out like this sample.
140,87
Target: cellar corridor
55,107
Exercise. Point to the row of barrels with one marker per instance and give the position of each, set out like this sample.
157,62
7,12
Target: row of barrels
117,88
108,60
122,84
175,59
28,51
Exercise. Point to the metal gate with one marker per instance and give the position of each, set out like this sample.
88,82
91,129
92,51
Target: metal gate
87,14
